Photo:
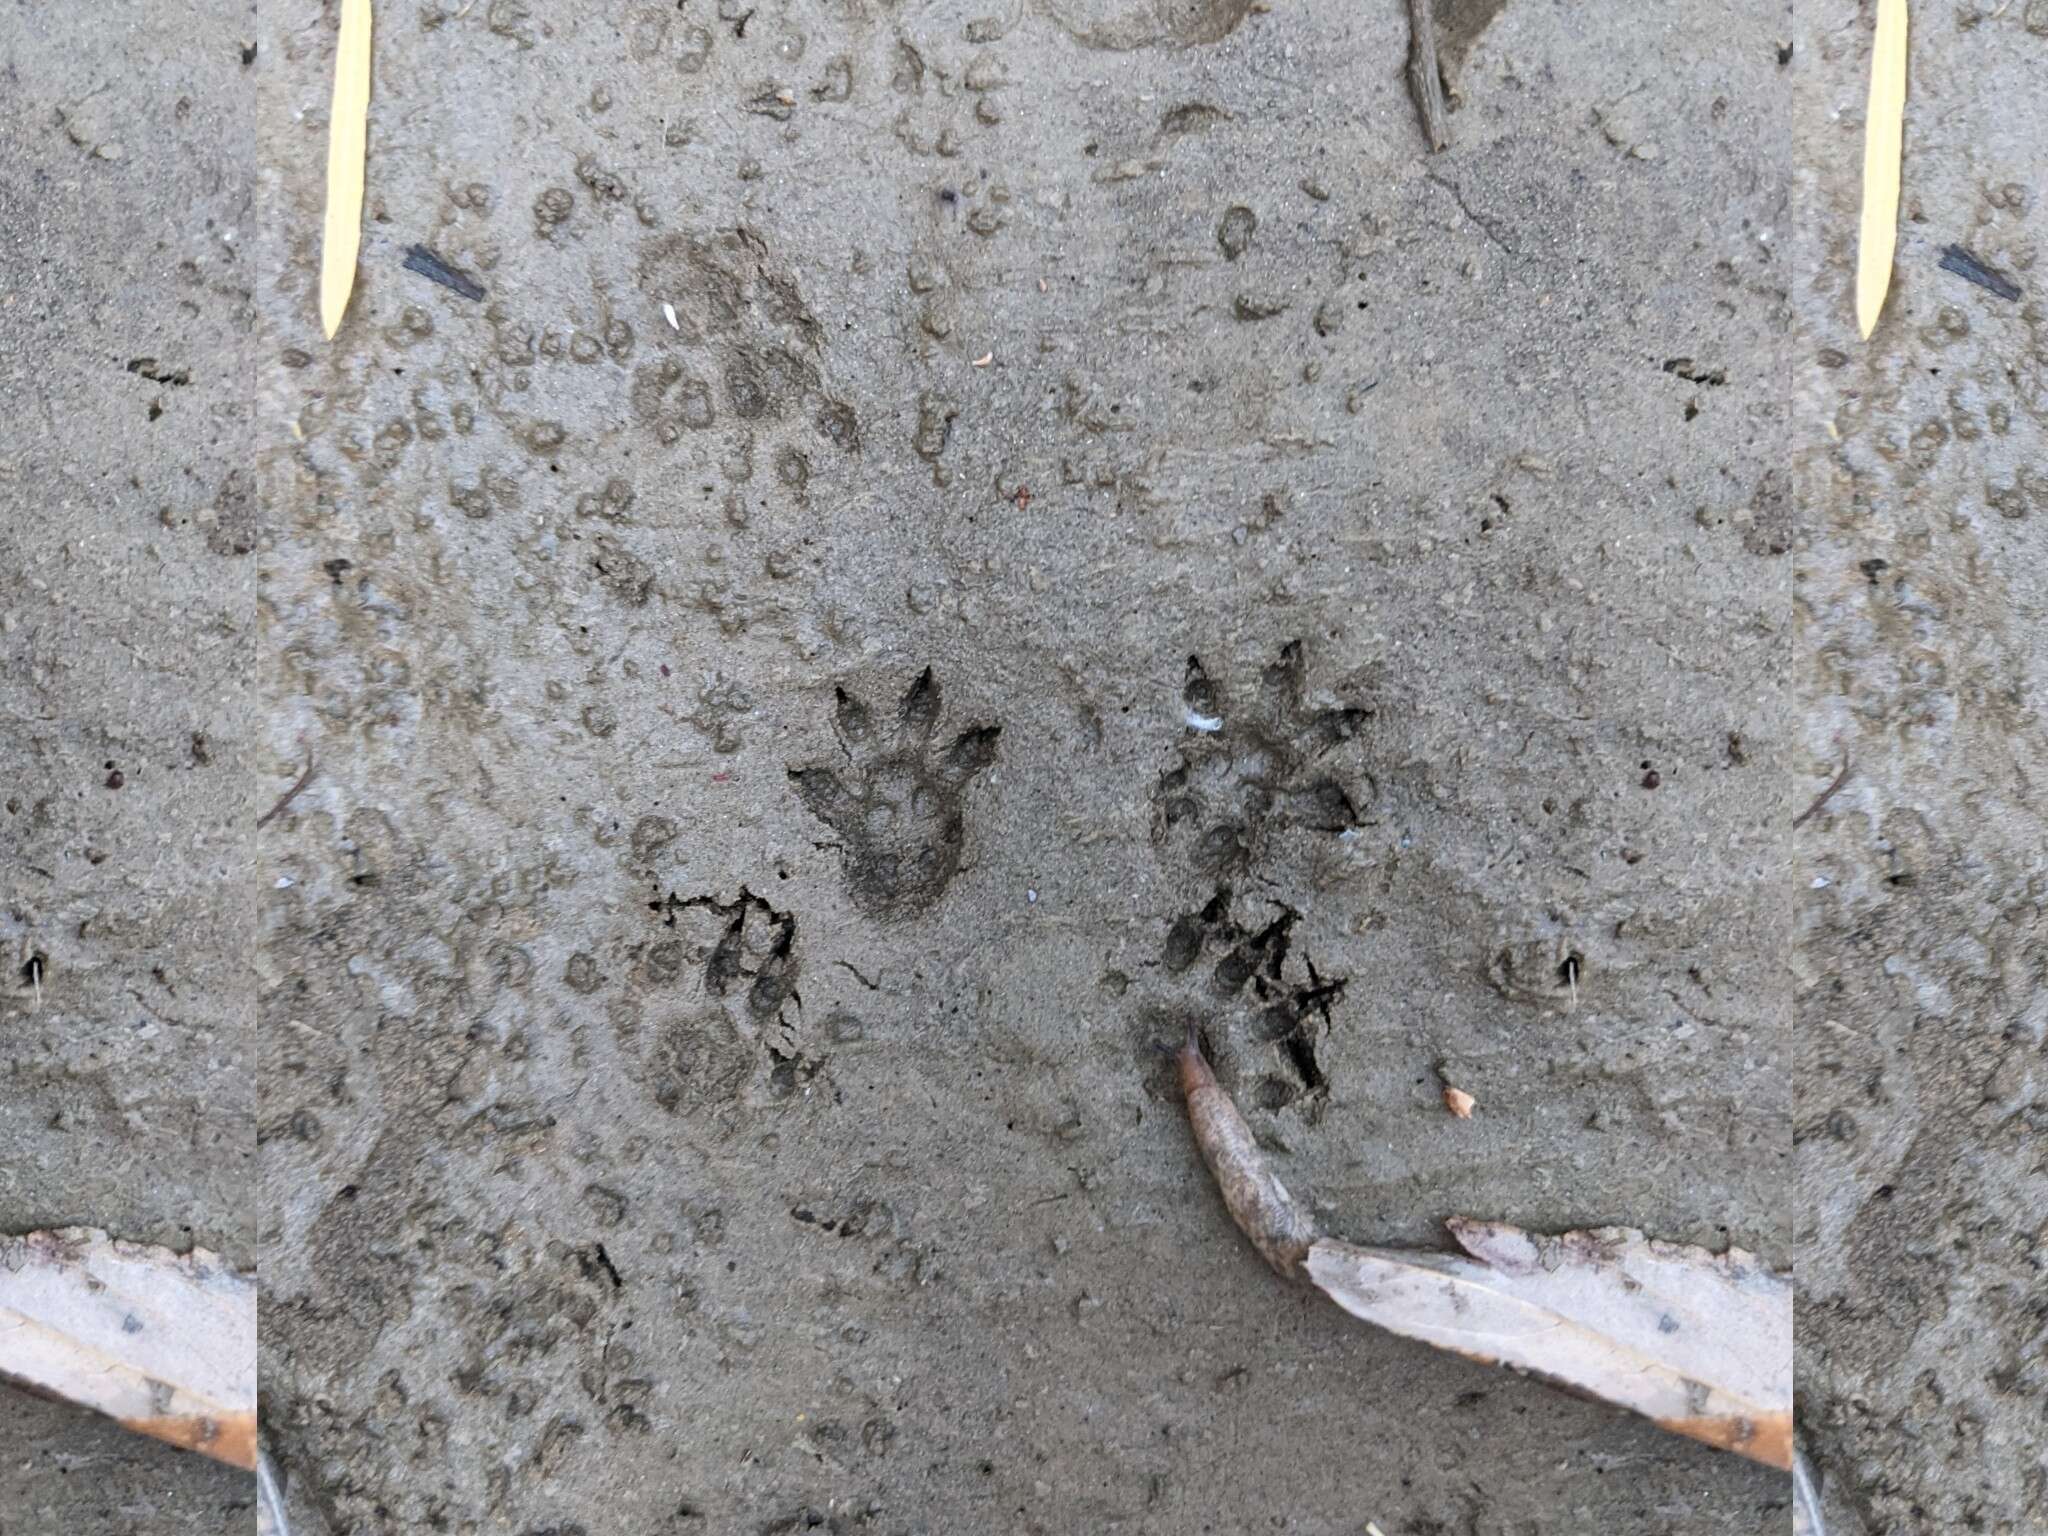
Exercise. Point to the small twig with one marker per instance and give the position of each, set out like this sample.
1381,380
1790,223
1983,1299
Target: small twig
289,795
1825,796
1425,77
1807,1514
270,1491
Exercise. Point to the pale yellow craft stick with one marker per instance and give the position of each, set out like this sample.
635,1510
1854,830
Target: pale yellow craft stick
348,132
1884,134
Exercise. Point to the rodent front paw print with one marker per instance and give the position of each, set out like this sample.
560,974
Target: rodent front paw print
898,807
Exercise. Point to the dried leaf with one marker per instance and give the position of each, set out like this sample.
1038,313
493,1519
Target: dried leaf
348,132
1699,1342
1884,133
163,1342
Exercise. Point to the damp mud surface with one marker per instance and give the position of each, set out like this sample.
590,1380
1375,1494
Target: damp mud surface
886,559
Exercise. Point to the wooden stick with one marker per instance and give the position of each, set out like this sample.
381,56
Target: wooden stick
1425,77
1883,145
164,1343
289,795
347,144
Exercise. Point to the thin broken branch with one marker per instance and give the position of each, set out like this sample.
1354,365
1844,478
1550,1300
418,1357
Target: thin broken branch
289,795
1834,788
1425,76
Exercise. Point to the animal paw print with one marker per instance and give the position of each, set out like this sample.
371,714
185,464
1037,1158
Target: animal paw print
898,811
746,953
1261,997
1255,766
1251,769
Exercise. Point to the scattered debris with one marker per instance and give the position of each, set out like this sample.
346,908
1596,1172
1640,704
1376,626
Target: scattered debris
149,368
1698,1342
1966,266
421,259
1459,1102
1834,788
348,134
1883,150
984,360
289,795
668,313
162,1342
1628,124
1425,76
1695,373
90,125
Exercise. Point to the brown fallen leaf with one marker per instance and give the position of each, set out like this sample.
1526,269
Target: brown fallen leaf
165,1343
1699,1342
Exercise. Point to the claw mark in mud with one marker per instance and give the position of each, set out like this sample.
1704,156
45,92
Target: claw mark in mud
1247,773
748,952
756,947
899,811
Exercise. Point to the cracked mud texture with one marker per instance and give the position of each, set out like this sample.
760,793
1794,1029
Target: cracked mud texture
1922,961
128,529
705,1085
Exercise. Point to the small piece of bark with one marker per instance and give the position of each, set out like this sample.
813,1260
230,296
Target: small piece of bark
1425,76
164,1343
428,263
1966,266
